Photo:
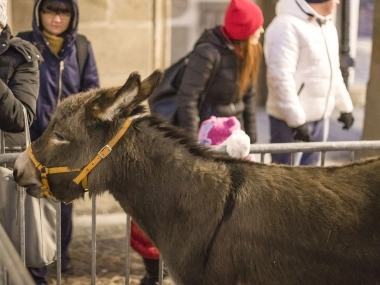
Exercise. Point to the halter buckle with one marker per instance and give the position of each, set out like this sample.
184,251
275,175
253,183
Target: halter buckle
106,150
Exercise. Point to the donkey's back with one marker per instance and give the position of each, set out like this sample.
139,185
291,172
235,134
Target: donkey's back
302,225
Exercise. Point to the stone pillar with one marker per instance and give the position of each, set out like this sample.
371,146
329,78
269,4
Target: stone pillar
371,129
162,33
268,8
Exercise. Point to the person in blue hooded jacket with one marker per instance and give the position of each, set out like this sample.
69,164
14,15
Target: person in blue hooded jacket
55,24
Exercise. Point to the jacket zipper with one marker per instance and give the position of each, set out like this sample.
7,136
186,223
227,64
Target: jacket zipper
61,68
299,90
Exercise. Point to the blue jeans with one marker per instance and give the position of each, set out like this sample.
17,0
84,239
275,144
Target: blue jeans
282,133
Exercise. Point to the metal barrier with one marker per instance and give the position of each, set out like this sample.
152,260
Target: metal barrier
261,149
322,147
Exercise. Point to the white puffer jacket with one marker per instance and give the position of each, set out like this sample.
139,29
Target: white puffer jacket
303,72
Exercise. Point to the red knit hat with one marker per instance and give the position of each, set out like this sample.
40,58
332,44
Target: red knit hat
242,19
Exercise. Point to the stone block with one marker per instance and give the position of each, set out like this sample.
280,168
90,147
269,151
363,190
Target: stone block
93,10
120,51
21,21
141,10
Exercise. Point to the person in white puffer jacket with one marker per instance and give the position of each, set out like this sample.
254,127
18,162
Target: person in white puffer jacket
304,79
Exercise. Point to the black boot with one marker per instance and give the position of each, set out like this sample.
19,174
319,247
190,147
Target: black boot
151,275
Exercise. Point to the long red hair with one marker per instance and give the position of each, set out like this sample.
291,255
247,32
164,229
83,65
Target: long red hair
249,57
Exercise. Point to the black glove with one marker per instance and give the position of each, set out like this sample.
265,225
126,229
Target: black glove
302,133
347,119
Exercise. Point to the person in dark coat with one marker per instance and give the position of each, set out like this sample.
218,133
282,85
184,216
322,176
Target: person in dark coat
231,92
19,84
55,25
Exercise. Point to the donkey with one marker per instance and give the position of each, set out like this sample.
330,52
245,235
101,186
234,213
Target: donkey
216,220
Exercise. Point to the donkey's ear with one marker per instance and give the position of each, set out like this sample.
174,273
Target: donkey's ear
146,88
149,84
112,100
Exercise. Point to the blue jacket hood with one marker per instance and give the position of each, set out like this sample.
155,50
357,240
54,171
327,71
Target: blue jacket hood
73,29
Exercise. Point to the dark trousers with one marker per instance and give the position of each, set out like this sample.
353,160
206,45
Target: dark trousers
67,229
152,271
151,267
281,133
39,274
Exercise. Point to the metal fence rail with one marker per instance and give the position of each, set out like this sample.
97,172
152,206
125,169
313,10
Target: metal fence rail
262,149
323,147
315,146
8,158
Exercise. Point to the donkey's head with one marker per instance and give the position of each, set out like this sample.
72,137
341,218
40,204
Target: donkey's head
82,131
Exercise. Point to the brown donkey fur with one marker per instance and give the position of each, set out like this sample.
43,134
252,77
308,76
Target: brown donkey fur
216,220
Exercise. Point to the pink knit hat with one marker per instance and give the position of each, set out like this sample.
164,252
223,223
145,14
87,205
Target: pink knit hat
216,130
242,19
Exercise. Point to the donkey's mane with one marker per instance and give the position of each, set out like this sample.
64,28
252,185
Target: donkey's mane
179,135
190,143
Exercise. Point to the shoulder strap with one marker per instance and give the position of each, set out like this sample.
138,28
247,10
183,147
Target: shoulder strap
82,52
211,79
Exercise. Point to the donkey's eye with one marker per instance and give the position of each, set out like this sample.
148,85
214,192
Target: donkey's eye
59,137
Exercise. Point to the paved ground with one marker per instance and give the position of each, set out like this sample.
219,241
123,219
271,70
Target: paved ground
111,219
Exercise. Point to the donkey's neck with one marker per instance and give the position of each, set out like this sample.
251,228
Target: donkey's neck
181,193
159,165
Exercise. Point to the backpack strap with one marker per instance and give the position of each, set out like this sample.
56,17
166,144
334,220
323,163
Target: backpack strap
82,52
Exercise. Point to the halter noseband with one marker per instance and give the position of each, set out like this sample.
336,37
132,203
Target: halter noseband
82,176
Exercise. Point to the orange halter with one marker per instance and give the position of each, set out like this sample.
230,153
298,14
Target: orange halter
82,176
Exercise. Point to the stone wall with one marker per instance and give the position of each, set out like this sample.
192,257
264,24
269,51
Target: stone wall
126,36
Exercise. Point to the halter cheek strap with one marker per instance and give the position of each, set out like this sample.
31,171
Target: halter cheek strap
104,152
45,171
